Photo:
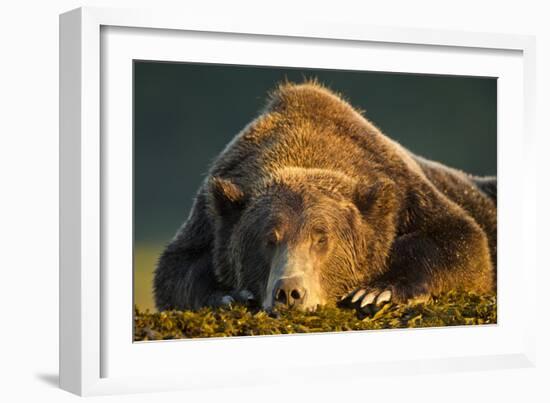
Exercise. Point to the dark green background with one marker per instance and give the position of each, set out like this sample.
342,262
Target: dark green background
184,114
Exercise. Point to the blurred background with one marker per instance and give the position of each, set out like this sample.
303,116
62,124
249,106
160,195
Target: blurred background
184,115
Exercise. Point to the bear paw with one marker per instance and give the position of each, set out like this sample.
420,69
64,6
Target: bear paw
367,300
244,297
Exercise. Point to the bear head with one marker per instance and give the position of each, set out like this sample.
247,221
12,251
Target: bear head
302,238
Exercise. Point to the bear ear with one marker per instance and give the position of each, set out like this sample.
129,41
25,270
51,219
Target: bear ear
227,196
375,198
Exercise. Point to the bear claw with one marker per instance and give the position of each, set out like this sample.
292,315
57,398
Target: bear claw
231,298
369,299
365,301
358,294
384,296
227,300
245,295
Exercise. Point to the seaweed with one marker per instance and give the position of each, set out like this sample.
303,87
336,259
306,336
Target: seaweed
452,309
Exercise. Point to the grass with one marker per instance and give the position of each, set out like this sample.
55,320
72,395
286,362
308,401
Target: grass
145,260
448,310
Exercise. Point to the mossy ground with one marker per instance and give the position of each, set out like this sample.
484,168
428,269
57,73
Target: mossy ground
448,310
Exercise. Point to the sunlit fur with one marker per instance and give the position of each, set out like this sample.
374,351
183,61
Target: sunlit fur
309,164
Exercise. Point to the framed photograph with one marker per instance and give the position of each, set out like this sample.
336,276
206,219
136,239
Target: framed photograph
277,197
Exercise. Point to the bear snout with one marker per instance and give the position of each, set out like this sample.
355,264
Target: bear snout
290,292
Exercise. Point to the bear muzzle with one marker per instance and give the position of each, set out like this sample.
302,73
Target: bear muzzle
293,280
290,292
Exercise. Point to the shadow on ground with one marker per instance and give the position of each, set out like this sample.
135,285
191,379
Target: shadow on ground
49,379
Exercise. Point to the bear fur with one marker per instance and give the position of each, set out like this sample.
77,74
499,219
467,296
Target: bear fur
312,190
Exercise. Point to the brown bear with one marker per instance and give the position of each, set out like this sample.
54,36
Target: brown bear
312,204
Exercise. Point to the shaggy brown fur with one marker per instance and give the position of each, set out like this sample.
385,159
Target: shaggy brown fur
311,172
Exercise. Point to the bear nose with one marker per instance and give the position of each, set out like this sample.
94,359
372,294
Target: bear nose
289,291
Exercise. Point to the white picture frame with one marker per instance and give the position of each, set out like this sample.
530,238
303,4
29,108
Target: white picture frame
97,357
